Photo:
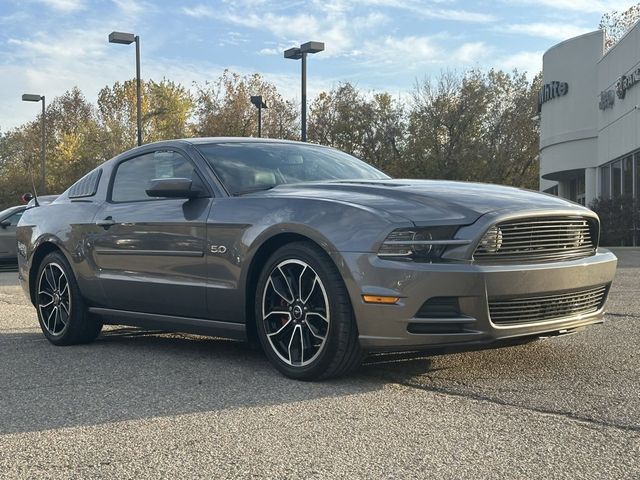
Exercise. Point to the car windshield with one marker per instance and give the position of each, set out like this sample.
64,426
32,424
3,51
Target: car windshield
248,167
8,212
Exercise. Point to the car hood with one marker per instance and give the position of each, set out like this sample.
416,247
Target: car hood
426,201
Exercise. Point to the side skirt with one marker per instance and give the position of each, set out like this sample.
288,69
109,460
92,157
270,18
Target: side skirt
236,331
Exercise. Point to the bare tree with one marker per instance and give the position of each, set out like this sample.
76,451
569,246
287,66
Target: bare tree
615,24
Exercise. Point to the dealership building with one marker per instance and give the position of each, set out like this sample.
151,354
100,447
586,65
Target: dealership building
590,118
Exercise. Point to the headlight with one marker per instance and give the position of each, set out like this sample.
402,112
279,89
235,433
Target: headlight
419,243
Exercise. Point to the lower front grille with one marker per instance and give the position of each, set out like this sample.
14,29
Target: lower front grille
511,311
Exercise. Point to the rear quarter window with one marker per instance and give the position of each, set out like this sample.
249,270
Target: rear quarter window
87,186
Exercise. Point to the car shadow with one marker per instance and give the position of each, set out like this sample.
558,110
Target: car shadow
131,374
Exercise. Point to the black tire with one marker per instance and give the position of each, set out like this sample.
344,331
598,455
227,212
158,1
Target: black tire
339,352
62,313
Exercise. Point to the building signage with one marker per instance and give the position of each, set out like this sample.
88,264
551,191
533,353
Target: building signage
549,91
607,99
625,82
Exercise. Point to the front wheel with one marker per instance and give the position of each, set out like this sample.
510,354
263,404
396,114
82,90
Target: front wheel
61,311
304,317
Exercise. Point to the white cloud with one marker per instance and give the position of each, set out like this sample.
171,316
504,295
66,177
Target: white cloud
339,25
52,50
132,7
269,51
233,39
417,53
470,53
550,30
65,5
424,9
337,33
244,3
457,15
582,6
199,11
525,61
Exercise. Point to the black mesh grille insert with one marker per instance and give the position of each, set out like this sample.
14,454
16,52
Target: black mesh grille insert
439,307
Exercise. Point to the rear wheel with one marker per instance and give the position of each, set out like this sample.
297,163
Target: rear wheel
61,311
304,317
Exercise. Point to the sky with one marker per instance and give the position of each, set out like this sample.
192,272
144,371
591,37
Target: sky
49,46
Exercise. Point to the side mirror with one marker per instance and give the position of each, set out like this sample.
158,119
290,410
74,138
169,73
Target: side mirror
5,223
173,188
27,197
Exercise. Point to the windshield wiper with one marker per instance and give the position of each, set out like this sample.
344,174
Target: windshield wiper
245,191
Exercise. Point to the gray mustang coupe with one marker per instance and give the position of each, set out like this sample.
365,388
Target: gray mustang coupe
310,252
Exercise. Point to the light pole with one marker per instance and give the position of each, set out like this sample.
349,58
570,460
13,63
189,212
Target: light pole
128,39
260,104
30,97
297,53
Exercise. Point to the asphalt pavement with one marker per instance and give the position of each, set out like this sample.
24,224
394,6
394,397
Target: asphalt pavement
139,404
8,275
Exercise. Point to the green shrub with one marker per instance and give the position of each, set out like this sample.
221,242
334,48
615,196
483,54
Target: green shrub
619,220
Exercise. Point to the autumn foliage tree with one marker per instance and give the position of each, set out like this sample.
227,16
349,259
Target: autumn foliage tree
369,126
475,126
224,108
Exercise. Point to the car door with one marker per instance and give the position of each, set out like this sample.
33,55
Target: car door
150,251
8,237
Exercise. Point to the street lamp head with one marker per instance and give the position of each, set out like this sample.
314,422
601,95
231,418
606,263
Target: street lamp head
258,102
121,37
293,53
312,47
127,39
301,52
30,97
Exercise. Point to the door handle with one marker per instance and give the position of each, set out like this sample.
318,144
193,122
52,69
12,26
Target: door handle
106,223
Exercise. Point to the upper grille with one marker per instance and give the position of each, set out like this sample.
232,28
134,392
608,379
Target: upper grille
547,307
538,239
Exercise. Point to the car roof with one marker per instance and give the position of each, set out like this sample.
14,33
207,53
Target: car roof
209,140
201,140
204,141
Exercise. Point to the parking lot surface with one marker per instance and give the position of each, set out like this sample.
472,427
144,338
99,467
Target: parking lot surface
140,404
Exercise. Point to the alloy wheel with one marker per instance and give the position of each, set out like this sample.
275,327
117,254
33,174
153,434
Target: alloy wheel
295,312
54,299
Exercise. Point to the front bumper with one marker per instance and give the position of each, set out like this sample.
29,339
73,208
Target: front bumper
386,327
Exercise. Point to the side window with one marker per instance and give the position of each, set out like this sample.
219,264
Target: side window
133,176
15,218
